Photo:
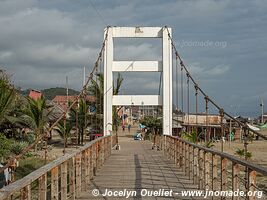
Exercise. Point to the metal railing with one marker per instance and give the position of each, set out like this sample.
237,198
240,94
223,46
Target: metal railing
63,178
213,170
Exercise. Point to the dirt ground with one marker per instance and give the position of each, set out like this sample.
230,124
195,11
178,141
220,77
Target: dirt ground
257,148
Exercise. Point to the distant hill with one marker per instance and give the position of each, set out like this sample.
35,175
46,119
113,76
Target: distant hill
52,92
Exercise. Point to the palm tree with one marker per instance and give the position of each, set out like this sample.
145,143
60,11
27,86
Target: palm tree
83,118
35,115
97,89
7,99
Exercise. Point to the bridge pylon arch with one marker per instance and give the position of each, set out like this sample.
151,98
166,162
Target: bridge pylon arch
164,66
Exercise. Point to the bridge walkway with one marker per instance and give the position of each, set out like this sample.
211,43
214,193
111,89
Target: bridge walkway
136,167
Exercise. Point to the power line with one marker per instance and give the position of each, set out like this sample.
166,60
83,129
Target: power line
98,13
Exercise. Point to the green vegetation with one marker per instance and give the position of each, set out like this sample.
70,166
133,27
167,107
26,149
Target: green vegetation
52,92
153,123
28,165
242,154
83,118
24,122
5,147
7,99
97,89
191,137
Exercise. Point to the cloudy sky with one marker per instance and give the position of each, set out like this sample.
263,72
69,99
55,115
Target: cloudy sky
224,43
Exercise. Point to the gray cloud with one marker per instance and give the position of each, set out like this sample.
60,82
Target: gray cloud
43,41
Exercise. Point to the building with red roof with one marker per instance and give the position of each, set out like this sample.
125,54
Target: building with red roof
61,100
35,94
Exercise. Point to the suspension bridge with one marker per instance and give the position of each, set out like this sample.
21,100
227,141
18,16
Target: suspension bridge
161,168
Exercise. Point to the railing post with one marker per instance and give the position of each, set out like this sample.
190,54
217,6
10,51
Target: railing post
25,193
87,179
78,175
235,180
252,183
83,171
91,162
187,165
195,167
223,174
176,152
215,185
54,183
72,178
64,181
207,170
191,162
102,152
183,157
201,170
181,154
95,149
42,187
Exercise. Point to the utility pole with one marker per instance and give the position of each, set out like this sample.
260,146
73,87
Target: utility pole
66,114
67,89
83,75
262,110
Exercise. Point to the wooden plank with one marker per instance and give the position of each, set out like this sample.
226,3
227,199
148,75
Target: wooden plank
195,168
91,163
207,170
214,173
25,193
54,184
72,179
78,160
87,164
42,187
235,179
201,169
252,184
84,172
64,181
223,174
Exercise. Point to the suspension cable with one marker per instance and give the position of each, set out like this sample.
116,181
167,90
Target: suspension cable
205,95
40,137
207,113
182,89
196,95
188,101
177,88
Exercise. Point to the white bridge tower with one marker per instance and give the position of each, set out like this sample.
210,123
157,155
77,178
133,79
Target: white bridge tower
164,65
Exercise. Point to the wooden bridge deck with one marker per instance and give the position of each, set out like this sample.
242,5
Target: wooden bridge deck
135,167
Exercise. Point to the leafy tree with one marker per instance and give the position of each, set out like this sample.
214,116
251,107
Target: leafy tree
64,131
153,123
